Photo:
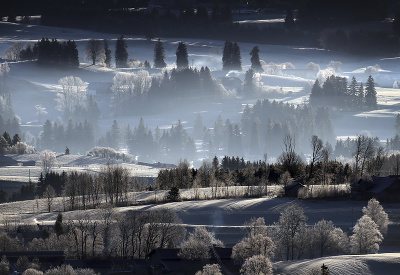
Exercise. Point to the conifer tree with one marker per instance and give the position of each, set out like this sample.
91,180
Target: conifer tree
353,98
236,58
182,60
255,60
227,56
159,55
316,93
370,94
121,54
107,54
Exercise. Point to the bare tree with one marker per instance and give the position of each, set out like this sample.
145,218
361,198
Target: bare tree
94,51
365,151
47,160
317,153
328,239
366,237
375,211
256,265
289,159
49,194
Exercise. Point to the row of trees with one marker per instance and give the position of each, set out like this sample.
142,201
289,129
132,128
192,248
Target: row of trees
336,92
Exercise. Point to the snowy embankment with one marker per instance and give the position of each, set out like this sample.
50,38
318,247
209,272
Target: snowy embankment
371,264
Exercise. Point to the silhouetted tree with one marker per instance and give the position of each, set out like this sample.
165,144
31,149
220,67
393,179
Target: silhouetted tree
182,56
159,55
107,54
121,54
370,94
255,60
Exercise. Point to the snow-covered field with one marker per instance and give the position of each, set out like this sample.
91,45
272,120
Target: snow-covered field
385,263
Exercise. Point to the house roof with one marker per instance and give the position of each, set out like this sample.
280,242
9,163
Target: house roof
294,184
382,183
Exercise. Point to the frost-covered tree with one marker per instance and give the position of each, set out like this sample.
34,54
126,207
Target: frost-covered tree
14,52
253,245
255,60
73,95
210,269
47,161
328,239
366,237
286,230
121,53
197,246
4,265
159,55
375,211
182,60
257,265
95,51
4,70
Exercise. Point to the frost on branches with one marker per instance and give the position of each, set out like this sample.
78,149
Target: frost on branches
366,237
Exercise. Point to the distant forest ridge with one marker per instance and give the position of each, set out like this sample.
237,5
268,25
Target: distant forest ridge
333,25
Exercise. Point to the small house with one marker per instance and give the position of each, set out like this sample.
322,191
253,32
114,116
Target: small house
384,189
167,261
292,190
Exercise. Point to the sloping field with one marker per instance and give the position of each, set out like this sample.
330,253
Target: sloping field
372,264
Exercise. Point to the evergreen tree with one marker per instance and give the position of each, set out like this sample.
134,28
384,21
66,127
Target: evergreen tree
255,60
159,55
227,56
370,94
236,57
58,226
360,96
107,54
316,93
182,56
353,92
121,54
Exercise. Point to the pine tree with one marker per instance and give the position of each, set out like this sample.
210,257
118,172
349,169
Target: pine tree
360,96
370,94
107,54
255,60
159,55
121,54
397,125
182,56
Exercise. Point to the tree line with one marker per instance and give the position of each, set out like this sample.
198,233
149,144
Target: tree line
335,91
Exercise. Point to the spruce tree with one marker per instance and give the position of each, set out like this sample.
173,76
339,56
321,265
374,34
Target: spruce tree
182,60
121,54
227,56
255,60
317,93
353,91
107,54
370,94
58,226
236,57
159,55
